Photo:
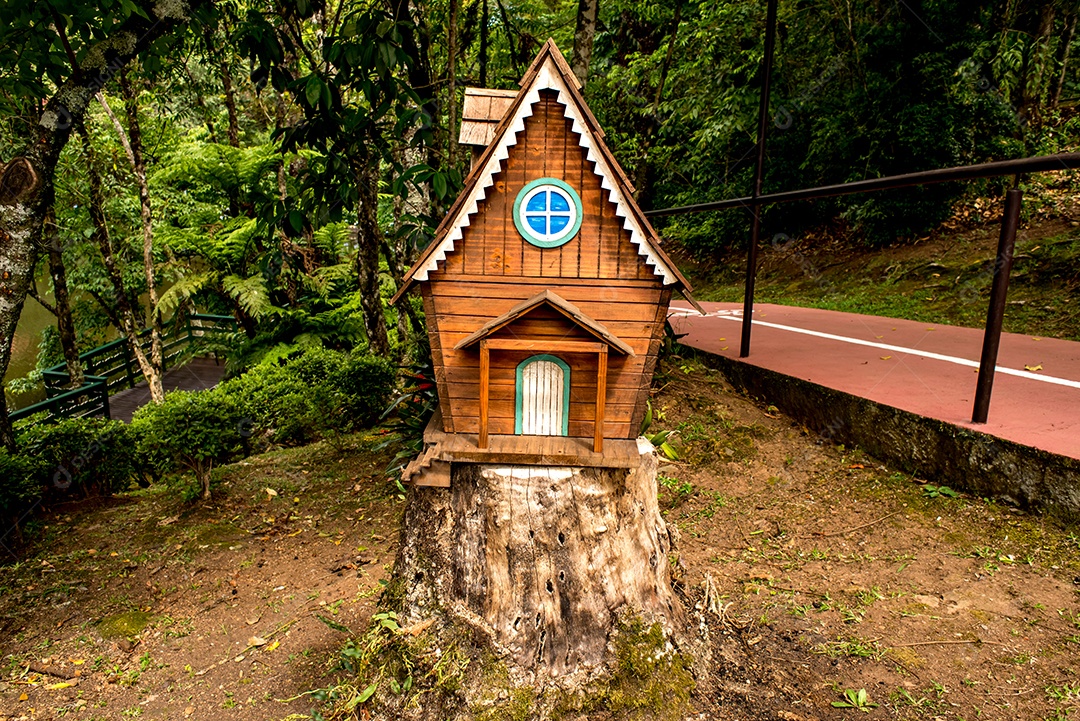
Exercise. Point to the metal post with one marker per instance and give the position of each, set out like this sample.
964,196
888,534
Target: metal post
759,172
996,313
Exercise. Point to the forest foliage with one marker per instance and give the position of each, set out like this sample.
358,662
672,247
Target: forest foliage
284,162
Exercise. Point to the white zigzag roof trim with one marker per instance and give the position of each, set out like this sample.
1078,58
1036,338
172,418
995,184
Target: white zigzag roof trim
548,78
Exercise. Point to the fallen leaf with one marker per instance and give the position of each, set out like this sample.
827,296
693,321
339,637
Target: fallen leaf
886,357
23,697
856,465
1033,368
91,551
1036,339
78,661
722,339
57,686
239,658
270,492
272,646
724,348
257,641
189,710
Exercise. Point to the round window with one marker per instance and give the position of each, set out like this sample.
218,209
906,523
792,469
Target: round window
547,213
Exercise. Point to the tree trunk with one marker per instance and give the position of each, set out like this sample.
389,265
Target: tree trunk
415,41
1066,48
484,20
131,140
652,122
20,226
123,310
43,137
451,85
368,243
541,572
226,84
1034,67
65,323
584,33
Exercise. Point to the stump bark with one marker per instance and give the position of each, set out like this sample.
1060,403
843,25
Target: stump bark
543,568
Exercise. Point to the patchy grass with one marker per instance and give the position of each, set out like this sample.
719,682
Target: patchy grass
944,278
149,607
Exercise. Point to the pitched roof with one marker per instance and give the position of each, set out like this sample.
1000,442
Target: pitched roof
563,306
548,71
481,113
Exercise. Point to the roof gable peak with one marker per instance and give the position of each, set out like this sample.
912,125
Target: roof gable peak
548,71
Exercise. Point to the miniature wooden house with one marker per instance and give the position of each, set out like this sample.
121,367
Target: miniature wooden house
545,289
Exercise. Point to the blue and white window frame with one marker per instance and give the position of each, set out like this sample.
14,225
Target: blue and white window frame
547,213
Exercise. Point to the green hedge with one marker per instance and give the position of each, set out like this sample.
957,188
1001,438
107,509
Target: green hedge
316,394
74,458
190,431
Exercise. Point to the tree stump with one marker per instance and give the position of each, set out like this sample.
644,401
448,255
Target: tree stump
544,583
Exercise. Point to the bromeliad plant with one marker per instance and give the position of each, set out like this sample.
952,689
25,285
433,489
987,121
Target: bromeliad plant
661,440
414,408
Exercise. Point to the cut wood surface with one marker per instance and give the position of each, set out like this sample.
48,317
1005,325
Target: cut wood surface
544,572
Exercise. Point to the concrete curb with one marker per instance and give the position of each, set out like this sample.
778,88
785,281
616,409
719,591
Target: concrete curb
961,458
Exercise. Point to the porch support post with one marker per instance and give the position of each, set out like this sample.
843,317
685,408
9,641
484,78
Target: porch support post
601,398
485,372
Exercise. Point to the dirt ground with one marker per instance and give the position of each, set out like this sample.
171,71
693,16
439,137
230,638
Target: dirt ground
820,571
146,607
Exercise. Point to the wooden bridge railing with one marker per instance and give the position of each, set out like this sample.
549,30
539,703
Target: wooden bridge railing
112,367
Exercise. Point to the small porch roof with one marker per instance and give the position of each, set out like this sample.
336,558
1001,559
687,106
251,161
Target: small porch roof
563,306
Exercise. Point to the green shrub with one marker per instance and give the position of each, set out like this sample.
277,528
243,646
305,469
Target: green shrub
315,394
20,487
367,383
191,431
91,455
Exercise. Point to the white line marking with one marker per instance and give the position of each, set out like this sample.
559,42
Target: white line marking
737,315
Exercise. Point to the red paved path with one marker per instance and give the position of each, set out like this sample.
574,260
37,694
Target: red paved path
1039,409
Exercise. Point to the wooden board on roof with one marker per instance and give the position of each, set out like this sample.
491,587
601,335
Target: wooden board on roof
481,113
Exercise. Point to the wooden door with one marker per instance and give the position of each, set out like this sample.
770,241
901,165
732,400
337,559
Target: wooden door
543,397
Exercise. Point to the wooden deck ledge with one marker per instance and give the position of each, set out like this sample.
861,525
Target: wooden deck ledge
532,450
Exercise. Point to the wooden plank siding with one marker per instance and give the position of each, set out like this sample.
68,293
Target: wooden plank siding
491,246
492,269
460,391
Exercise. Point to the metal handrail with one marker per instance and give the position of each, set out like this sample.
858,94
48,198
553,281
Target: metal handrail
997,169
112,365
1006,242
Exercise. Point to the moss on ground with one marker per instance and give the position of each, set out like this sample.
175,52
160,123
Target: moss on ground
650,679
123,625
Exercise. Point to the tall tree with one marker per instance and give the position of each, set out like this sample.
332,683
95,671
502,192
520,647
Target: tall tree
46,93
584,34
131,140
120,305
65,322
451,81
354,92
